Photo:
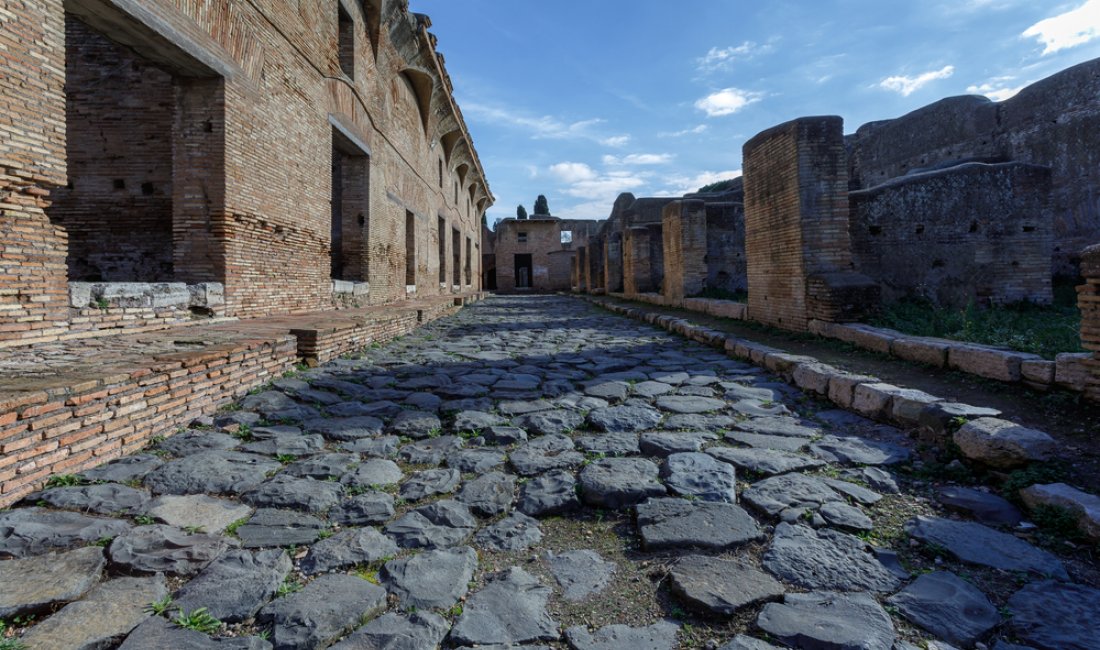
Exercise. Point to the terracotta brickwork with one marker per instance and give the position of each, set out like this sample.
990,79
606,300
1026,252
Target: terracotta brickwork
533,251
204,150
1088,299
796,225
685,248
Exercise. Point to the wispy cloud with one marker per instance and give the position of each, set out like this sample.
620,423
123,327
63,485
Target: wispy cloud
906,85
598,188
997,88
1067,30
638,159
721,58
616,141
695,130
683,184
572,172
544,127
727,101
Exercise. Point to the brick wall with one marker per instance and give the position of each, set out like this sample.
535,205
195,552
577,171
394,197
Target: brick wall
684,244
1053,122
637,277
976,232
796,225
65,429
552,262
1088,299
726,246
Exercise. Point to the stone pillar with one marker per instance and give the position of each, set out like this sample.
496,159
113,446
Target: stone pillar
582,269
595,266
796,227
1088,299
636,274
613,262
684,228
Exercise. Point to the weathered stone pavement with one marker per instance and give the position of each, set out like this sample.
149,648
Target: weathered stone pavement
531,472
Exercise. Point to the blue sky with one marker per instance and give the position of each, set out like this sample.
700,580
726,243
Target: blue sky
583,100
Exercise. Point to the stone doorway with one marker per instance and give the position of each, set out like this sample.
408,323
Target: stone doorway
523,270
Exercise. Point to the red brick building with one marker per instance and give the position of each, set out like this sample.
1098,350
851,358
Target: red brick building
293,156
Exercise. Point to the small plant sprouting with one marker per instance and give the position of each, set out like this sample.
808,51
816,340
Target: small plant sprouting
160,607
199,620
144,520
102,303
194,530
286,459
231,529
64,480
288,587
243,433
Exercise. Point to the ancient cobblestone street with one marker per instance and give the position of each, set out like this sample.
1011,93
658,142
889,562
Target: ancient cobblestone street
533,472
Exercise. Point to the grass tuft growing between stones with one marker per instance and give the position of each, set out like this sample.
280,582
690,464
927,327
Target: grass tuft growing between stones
199,620
1046,330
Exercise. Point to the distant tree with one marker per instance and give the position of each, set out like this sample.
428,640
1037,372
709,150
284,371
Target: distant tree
720,186
541,205
521,212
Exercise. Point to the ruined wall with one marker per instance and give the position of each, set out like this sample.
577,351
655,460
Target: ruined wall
637,275
684,244
259,93
1088,299
796,226
117,208
1053,122
540,238
725,253
33,296
973,233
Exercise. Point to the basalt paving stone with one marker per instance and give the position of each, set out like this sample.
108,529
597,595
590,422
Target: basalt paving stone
509,609
699,476
687,404
476,421
609,444
552,493
515,532
347,548
165,549
363,509
619,482
431,451
662,635
825,559
103,499
211,472
323,466
322,611
430,482
380,447
626,418
547,423
285,443
744,642
766,462
987,508
192,442
306,494
858,451
824,620
663,443
124,470
579,573
345,429
270,528
778,493
33,531
489,494
978,544
476,461
102,618
415,424
544,454
699,422
1052,615
761,441
948,607
875,477
34,584
842,515
156,633
504,436
778,426
720,586
431,579
414,631
437,525
209,514
236,585
672,523
856,492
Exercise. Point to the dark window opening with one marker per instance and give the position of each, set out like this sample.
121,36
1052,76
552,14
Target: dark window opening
350,207
521,237
440,161
469,256
456,257
874,230
973,226
1029,228
346,42
442,251
410,249
523,271
920,230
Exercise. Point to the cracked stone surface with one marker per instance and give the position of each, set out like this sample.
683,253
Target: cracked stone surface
535,473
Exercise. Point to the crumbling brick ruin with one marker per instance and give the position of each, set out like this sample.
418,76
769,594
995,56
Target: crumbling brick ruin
963,201
539,253
171,163
300,157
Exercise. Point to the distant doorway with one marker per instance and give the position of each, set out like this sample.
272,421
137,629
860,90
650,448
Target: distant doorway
523,271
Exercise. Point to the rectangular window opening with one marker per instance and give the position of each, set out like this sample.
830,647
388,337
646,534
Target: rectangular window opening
346,42
410,249
442,250
456,255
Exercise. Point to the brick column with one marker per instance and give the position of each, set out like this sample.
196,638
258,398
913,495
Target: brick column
581,283
796,226
636,274
684,229
1088,298
613,262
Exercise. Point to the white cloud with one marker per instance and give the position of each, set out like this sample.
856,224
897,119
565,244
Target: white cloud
908,85
719,58
572,172
695,130
1067,30
996,88
727,101
681,185
639,159
545,127
616,141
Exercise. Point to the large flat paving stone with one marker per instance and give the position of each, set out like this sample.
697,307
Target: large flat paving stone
580,573
103,499
490,494
510,609
662,635
363,509
414,631
670,523
165,549
553,493
269,528
156,633
824,620
211,514
236,585
825,559
948,607
978,544
778,493
102,618
700,476
211,472
34,531
515,532
283,491
432,579
437,525
722,587
34,584
627,418
544,454
619,482
347,548
429,482
1051,615
322,611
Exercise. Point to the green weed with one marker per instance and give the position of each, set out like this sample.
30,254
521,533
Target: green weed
199,620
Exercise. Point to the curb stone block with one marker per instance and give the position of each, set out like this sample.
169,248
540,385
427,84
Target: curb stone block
1003,444
865,336
1037,371
842,387
1086,506
784,363
908,405
873,400
814,377
987,361
921,349
1071,370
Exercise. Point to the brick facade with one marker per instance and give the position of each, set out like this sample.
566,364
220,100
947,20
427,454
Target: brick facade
532,251
685,249
1088,299
203,141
